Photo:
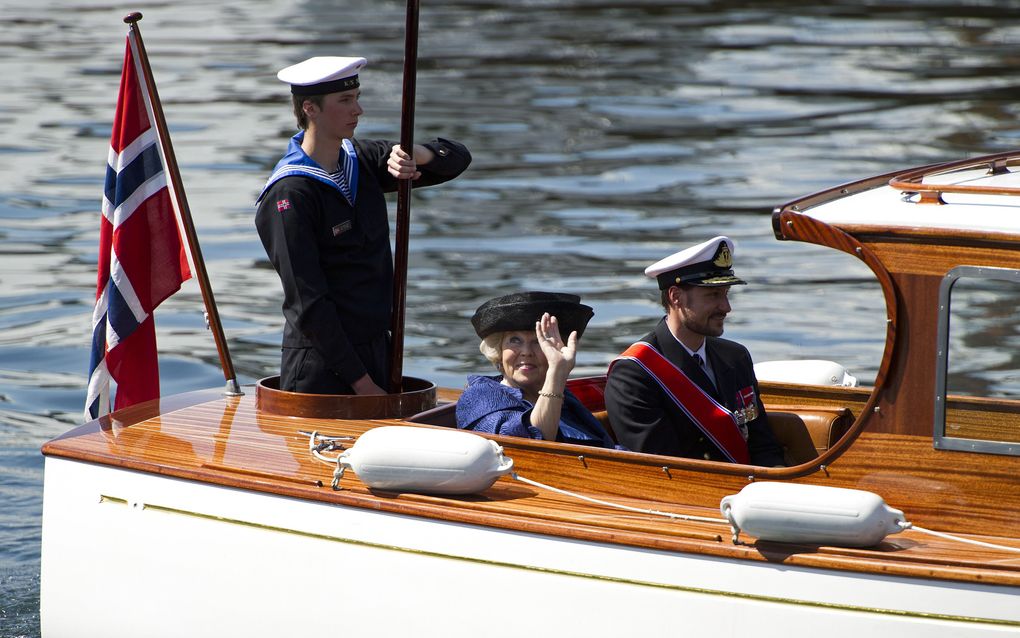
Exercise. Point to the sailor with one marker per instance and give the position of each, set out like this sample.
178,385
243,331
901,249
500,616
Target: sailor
322,218
682,390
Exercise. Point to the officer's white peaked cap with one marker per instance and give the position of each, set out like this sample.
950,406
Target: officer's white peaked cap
709,263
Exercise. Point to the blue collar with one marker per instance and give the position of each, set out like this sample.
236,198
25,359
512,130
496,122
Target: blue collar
297,162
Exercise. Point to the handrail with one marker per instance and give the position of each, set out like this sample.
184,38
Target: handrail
910,181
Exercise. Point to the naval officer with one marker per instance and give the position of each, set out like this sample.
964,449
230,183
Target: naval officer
322,218
682,390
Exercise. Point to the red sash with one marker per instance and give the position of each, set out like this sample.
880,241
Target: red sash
714,421
590,391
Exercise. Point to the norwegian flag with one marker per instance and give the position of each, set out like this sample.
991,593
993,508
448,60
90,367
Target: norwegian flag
142,259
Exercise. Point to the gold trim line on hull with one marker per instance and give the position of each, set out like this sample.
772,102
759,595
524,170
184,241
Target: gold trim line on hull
568,573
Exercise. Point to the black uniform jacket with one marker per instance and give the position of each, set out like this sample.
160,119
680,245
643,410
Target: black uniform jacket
645,419
335,260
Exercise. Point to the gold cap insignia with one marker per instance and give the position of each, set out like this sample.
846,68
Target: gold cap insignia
723,258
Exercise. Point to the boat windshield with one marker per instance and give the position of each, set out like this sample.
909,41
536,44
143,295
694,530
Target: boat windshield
978,381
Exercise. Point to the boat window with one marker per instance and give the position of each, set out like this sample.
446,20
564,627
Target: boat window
977,393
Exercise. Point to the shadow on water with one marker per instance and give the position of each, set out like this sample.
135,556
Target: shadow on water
605,136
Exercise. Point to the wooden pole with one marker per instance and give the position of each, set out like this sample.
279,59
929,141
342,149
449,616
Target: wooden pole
212,315
404,199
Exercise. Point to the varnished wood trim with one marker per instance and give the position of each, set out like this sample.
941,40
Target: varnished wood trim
791,225
266,454
138,413
417,396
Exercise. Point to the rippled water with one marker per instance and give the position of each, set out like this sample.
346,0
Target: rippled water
605,135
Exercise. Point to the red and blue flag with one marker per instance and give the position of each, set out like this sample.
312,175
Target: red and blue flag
142,259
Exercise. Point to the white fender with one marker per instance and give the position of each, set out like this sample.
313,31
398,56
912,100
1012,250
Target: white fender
807,371
412,459
813,514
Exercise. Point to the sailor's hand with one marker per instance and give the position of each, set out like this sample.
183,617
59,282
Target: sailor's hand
401,165
365,385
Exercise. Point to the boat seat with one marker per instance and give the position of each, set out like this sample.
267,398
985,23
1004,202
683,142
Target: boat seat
806,432
603,418
803,432
444,415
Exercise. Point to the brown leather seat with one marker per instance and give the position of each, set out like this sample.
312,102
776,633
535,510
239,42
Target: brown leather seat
603,418
807,432
804,433
444,415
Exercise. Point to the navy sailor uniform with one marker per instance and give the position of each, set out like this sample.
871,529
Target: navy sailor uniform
335,262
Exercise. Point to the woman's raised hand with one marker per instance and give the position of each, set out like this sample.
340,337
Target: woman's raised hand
559,355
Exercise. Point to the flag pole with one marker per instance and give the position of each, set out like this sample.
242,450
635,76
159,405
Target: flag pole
211,313
404,199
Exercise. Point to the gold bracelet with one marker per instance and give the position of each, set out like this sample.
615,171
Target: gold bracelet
551,395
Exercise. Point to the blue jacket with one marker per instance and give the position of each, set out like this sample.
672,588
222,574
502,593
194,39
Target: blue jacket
489,406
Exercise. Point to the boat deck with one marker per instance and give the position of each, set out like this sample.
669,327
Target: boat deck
209,438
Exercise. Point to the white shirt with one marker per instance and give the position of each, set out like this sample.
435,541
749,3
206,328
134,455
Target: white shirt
706,366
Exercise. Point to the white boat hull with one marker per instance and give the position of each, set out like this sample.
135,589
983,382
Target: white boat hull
126,553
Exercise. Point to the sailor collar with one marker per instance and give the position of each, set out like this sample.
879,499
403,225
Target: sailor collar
297,162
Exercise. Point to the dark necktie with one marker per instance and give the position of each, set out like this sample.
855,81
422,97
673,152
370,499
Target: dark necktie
701,364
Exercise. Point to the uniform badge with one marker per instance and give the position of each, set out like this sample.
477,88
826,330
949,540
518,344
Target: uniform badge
341,228
748,410
282,205
723,257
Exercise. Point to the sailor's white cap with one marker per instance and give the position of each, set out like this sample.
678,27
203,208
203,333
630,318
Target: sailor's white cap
709,263
322,75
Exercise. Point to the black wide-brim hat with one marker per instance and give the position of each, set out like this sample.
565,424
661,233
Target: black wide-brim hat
520,311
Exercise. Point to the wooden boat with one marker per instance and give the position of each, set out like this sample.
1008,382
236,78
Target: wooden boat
202,514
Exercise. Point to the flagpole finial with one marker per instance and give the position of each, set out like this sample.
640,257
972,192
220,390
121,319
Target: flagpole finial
132,17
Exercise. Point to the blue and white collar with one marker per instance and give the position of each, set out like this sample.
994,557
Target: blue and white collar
297,162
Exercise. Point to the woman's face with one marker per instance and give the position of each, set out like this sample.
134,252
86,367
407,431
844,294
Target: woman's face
524,363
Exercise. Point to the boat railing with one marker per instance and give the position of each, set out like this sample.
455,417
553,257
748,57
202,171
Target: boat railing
912,182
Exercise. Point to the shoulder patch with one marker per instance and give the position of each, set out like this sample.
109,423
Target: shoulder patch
282,205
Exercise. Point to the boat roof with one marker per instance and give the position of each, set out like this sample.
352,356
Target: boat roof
974,199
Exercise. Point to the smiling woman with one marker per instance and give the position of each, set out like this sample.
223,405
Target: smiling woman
522,337
524,363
